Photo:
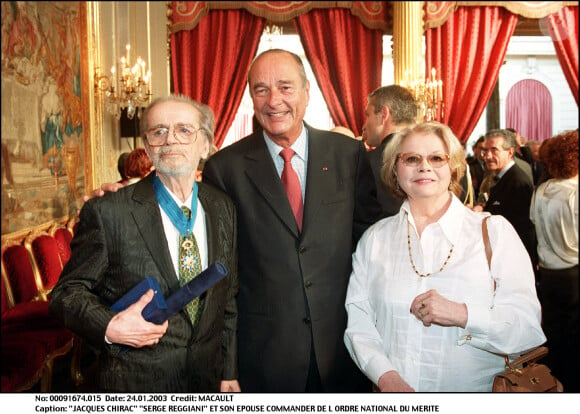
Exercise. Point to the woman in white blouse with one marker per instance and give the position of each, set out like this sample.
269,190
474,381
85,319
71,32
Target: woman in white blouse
423,314
554,212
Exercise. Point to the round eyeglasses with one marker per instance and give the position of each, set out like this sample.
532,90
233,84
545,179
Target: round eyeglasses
412,159
183,133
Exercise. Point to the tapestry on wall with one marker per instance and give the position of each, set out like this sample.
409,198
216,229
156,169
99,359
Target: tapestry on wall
42,121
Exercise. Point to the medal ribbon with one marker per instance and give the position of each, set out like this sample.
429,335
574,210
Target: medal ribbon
173,211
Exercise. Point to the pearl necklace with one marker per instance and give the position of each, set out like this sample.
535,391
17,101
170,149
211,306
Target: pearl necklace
411,255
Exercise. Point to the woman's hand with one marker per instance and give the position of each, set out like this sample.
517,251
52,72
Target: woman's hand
230,386
391,381
430,307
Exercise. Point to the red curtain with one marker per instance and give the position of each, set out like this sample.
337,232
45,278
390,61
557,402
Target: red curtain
529,110
347,61
563,28
210,64
468,51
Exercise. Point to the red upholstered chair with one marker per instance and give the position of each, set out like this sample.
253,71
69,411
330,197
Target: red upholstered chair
46,256
22,359
26,321
63,237
72,224
24,315
7,300
21,276
22,362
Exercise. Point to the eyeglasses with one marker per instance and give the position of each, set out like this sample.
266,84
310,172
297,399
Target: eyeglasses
494,151
412,159
183,133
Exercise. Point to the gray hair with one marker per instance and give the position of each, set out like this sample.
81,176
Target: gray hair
206,119
508,136
301,70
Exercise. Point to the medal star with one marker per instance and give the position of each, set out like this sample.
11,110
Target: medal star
188,262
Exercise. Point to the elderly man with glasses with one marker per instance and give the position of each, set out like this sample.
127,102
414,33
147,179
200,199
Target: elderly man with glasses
169,227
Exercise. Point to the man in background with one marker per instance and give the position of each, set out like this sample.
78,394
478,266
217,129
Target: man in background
389,109
121,167
523,156
511,195
476,164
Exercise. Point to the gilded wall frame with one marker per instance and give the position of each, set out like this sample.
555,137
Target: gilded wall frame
48,116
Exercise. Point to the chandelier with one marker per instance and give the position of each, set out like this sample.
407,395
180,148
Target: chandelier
428,94
127,87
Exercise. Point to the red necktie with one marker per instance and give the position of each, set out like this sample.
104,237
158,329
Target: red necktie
292,186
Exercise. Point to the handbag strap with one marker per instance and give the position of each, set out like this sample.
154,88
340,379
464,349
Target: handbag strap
531,356
534,354
487,245
469,198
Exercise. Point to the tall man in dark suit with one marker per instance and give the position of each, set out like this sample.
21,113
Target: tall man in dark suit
127,235
294,269
511,195
389,109
522,154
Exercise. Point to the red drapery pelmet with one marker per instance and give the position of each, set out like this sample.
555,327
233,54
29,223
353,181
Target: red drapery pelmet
468,51
346,59
563,28
210,63
529,110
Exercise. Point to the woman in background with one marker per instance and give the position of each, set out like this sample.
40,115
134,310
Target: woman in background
554,212
137,165
423,314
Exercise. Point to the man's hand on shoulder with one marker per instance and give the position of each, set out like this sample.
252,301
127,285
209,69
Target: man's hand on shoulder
106,187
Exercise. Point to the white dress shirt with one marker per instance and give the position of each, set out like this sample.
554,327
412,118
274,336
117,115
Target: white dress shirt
382,335
172,234
554,212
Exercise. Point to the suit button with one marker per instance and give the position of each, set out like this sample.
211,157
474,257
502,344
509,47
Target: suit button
306,321
308,284
302,249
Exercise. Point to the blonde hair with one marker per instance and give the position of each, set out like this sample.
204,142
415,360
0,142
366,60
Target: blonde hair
443,132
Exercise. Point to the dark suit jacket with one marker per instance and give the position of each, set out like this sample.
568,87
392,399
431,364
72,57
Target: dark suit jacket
477,171
390,203
511,197
120,240
524,166
292,284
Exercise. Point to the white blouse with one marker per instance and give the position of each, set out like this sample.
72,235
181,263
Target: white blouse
554,212
382,335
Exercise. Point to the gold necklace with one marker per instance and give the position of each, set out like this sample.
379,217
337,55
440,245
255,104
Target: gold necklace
411,255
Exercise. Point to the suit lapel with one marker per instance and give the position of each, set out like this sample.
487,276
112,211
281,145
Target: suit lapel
319,176
211,222
260,170
148,220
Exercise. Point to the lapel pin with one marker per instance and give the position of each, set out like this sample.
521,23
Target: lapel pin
324,168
